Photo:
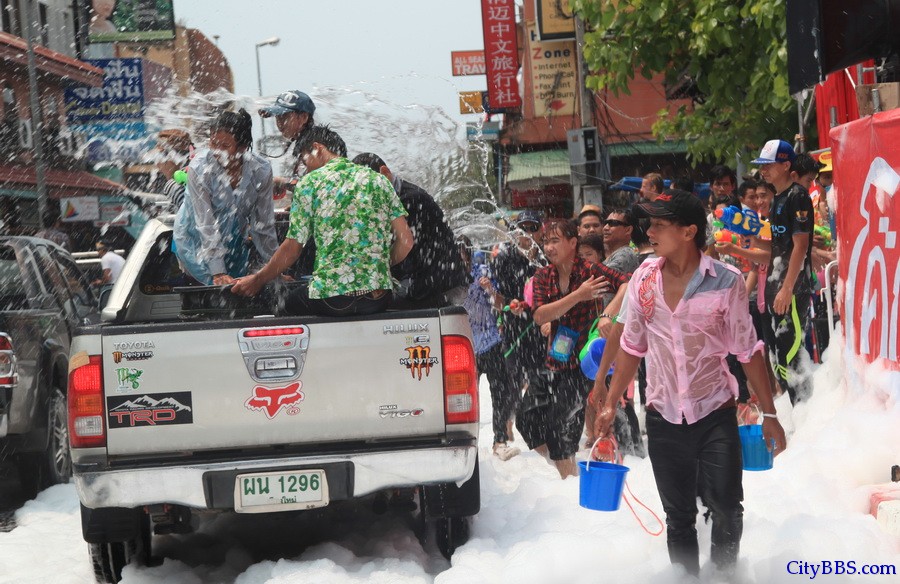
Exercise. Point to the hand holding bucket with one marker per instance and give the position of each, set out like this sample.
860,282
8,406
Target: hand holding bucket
602,483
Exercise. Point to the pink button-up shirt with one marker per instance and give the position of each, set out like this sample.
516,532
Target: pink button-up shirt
687,376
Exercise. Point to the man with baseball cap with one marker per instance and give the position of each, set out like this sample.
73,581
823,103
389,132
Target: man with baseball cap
293,112
788,288
686,312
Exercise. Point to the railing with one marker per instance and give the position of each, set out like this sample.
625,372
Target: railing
830,282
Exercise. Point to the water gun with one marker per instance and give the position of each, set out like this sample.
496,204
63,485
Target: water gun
513,305
740,221
825,233
725,236
765,231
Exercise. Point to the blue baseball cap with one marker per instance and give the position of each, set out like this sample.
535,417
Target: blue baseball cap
775,151
289,101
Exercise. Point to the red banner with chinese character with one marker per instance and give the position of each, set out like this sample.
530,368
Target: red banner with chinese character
501,53
867,191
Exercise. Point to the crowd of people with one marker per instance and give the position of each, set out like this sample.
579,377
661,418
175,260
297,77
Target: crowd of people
708,328
695,325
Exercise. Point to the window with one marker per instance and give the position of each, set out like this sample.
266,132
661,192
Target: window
12,287
84,300
45,27
9,15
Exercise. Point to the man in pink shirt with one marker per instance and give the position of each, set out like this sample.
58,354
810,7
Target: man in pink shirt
686,312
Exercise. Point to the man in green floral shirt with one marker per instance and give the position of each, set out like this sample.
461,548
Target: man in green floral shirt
359,227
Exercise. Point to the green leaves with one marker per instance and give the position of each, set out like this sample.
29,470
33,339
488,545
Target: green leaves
733,50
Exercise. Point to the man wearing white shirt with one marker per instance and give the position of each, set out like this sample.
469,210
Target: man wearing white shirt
110,262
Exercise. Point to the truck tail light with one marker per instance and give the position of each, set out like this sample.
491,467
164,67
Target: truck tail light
7,361
86,426
460,380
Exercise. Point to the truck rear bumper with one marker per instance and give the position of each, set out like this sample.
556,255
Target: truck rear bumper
185,485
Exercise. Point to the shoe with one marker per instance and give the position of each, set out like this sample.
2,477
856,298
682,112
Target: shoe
505,452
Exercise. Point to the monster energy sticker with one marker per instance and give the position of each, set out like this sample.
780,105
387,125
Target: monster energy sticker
129,379
419,361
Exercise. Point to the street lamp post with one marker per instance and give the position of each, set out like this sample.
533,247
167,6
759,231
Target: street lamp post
268,42
26,12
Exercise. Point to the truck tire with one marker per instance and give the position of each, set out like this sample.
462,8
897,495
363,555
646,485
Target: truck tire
451,533
449,500
109,558
53,465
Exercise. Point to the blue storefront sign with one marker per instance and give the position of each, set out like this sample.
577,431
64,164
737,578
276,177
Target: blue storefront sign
120,99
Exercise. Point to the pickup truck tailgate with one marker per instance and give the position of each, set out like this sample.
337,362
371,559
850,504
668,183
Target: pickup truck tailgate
259,383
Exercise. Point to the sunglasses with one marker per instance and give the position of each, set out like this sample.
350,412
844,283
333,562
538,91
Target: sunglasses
529,227
615,223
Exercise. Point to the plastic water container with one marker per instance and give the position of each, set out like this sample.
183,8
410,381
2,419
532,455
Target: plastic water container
601,485
591,356
753,448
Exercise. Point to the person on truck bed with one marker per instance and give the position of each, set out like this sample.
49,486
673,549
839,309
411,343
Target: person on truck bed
352,213
229,198
434,265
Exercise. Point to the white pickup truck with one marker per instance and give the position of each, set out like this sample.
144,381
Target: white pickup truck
177,407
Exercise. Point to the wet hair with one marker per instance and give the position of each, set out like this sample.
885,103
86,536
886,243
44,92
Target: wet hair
721,171
239,124
565,227
805,164
589,214
746,186
593,241
639,233
731,200
768,186
626,213
324,136
684,183
103,244
656,180
369,159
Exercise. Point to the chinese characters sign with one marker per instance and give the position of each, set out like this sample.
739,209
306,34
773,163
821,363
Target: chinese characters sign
501,53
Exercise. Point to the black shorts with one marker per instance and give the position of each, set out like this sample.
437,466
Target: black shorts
552,411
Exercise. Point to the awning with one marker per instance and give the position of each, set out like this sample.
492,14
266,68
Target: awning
546,166
647,148
60,183
14,49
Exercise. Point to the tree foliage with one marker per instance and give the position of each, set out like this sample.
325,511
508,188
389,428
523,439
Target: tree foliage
729,55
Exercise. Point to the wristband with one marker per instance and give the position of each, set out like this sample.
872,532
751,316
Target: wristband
604,315
774,416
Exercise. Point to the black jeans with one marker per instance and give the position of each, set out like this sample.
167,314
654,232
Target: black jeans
706,454
299,303
504,394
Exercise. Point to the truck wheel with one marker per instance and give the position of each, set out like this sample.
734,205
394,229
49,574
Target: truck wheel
57,458
110,558
53,465
451,533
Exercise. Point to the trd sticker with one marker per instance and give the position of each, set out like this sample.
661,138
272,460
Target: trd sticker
131,356
273,400
418,361
129,378
151,409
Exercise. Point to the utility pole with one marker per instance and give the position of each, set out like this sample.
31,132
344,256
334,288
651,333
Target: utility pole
37,130
586,192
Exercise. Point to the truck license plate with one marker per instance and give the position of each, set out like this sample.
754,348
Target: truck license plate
280,491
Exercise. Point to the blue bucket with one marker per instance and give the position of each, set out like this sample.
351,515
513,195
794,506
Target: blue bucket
591,360
753,448
601,485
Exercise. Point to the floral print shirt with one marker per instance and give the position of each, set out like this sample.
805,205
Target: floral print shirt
348,210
